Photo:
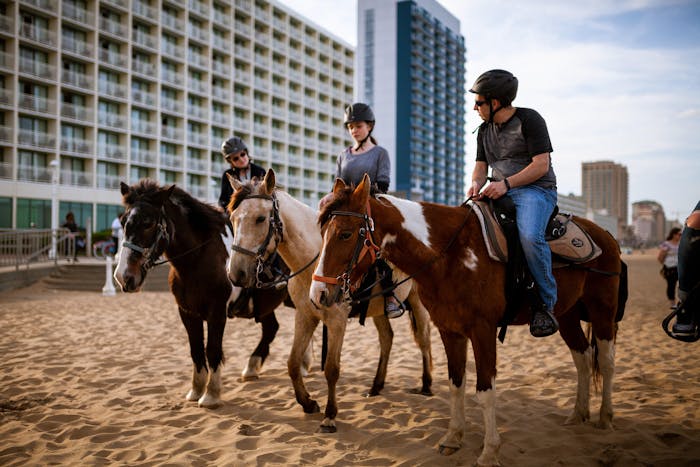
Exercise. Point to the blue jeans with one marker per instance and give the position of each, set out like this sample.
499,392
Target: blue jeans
534,205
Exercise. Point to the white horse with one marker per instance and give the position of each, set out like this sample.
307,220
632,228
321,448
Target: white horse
267,220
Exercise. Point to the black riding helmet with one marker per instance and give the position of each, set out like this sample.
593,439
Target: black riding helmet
359,112
496,84
233,145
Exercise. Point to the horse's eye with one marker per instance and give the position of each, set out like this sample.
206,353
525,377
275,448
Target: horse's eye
260,219
345,235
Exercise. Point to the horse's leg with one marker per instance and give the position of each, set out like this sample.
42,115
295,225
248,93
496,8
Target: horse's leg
606,363
484,345
420,326
215,356
255,362
581,352
386,337
602,309
456,351
195,335
336,334
304,326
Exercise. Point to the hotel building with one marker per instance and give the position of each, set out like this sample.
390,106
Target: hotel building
411,63
93,93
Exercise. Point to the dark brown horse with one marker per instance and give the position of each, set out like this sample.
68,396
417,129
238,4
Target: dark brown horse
463,290
168,221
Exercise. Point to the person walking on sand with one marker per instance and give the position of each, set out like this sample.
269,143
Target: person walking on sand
688,316
668,257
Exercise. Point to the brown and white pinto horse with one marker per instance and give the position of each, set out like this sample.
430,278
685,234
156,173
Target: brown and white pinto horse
267,219
168,221
463,290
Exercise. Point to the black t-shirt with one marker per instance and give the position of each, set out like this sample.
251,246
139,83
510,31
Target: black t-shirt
508,149
227,189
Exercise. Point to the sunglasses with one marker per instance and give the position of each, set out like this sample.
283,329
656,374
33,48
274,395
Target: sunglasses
235,157
480,103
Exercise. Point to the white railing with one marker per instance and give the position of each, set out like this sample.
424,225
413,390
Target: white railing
23,247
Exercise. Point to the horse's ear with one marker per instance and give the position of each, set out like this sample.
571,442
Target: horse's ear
235,183
124,188
338,186
269,181
164,194
361,193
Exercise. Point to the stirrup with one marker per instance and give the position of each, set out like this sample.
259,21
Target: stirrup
543,323
393,309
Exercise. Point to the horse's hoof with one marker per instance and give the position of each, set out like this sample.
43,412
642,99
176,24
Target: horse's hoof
327,429
193,396
373,392
312,407
209,402
421,392
249,377
447,450
604,425
576,419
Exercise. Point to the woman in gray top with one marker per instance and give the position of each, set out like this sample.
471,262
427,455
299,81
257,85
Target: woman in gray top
367,157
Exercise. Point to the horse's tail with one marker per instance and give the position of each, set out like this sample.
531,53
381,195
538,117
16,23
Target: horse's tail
622,295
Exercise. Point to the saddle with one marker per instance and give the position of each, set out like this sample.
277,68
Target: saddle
567,240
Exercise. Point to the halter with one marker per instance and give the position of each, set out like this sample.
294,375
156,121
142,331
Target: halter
365,244
151,253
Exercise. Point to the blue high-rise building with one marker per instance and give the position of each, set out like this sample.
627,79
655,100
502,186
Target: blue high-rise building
410,69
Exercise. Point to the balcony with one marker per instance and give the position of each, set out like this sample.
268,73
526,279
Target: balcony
110,120
37,139
112,89
112,27
144,68
77,14
113,152
143,10
198,165
143,97
170,132
7,61
145,40
31,173
173,23
173,50
170,161
113,58
198,139
38,69
74,78
75,178
198,191
77,112
197,112
220,93
143,127
42,35
6,134
171,77
108,181
143,157
77,47
76,145
172,105
36,103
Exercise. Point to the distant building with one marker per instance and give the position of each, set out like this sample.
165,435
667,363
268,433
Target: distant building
571,203
649,222
605,185
410,69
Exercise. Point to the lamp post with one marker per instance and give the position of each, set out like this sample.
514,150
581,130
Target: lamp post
54,207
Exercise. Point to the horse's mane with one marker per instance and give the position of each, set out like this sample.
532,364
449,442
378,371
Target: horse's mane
340,198
201,217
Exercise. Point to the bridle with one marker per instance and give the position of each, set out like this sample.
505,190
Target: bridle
365,245
263,266
153,252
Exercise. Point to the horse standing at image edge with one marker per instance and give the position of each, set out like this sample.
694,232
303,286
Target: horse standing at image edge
168,221
463,289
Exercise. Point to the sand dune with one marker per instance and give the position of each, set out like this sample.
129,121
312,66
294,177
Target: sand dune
96,380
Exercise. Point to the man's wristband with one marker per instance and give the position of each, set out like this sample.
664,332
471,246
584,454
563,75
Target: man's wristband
505,180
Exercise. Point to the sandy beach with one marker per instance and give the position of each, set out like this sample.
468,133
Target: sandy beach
94,380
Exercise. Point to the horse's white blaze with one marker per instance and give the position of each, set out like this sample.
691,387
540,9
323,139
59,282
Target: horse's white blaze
122,254
413,218
318,287
492,440
470,261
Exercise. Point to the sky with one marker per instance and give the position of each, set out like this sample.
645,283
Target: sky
615,80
